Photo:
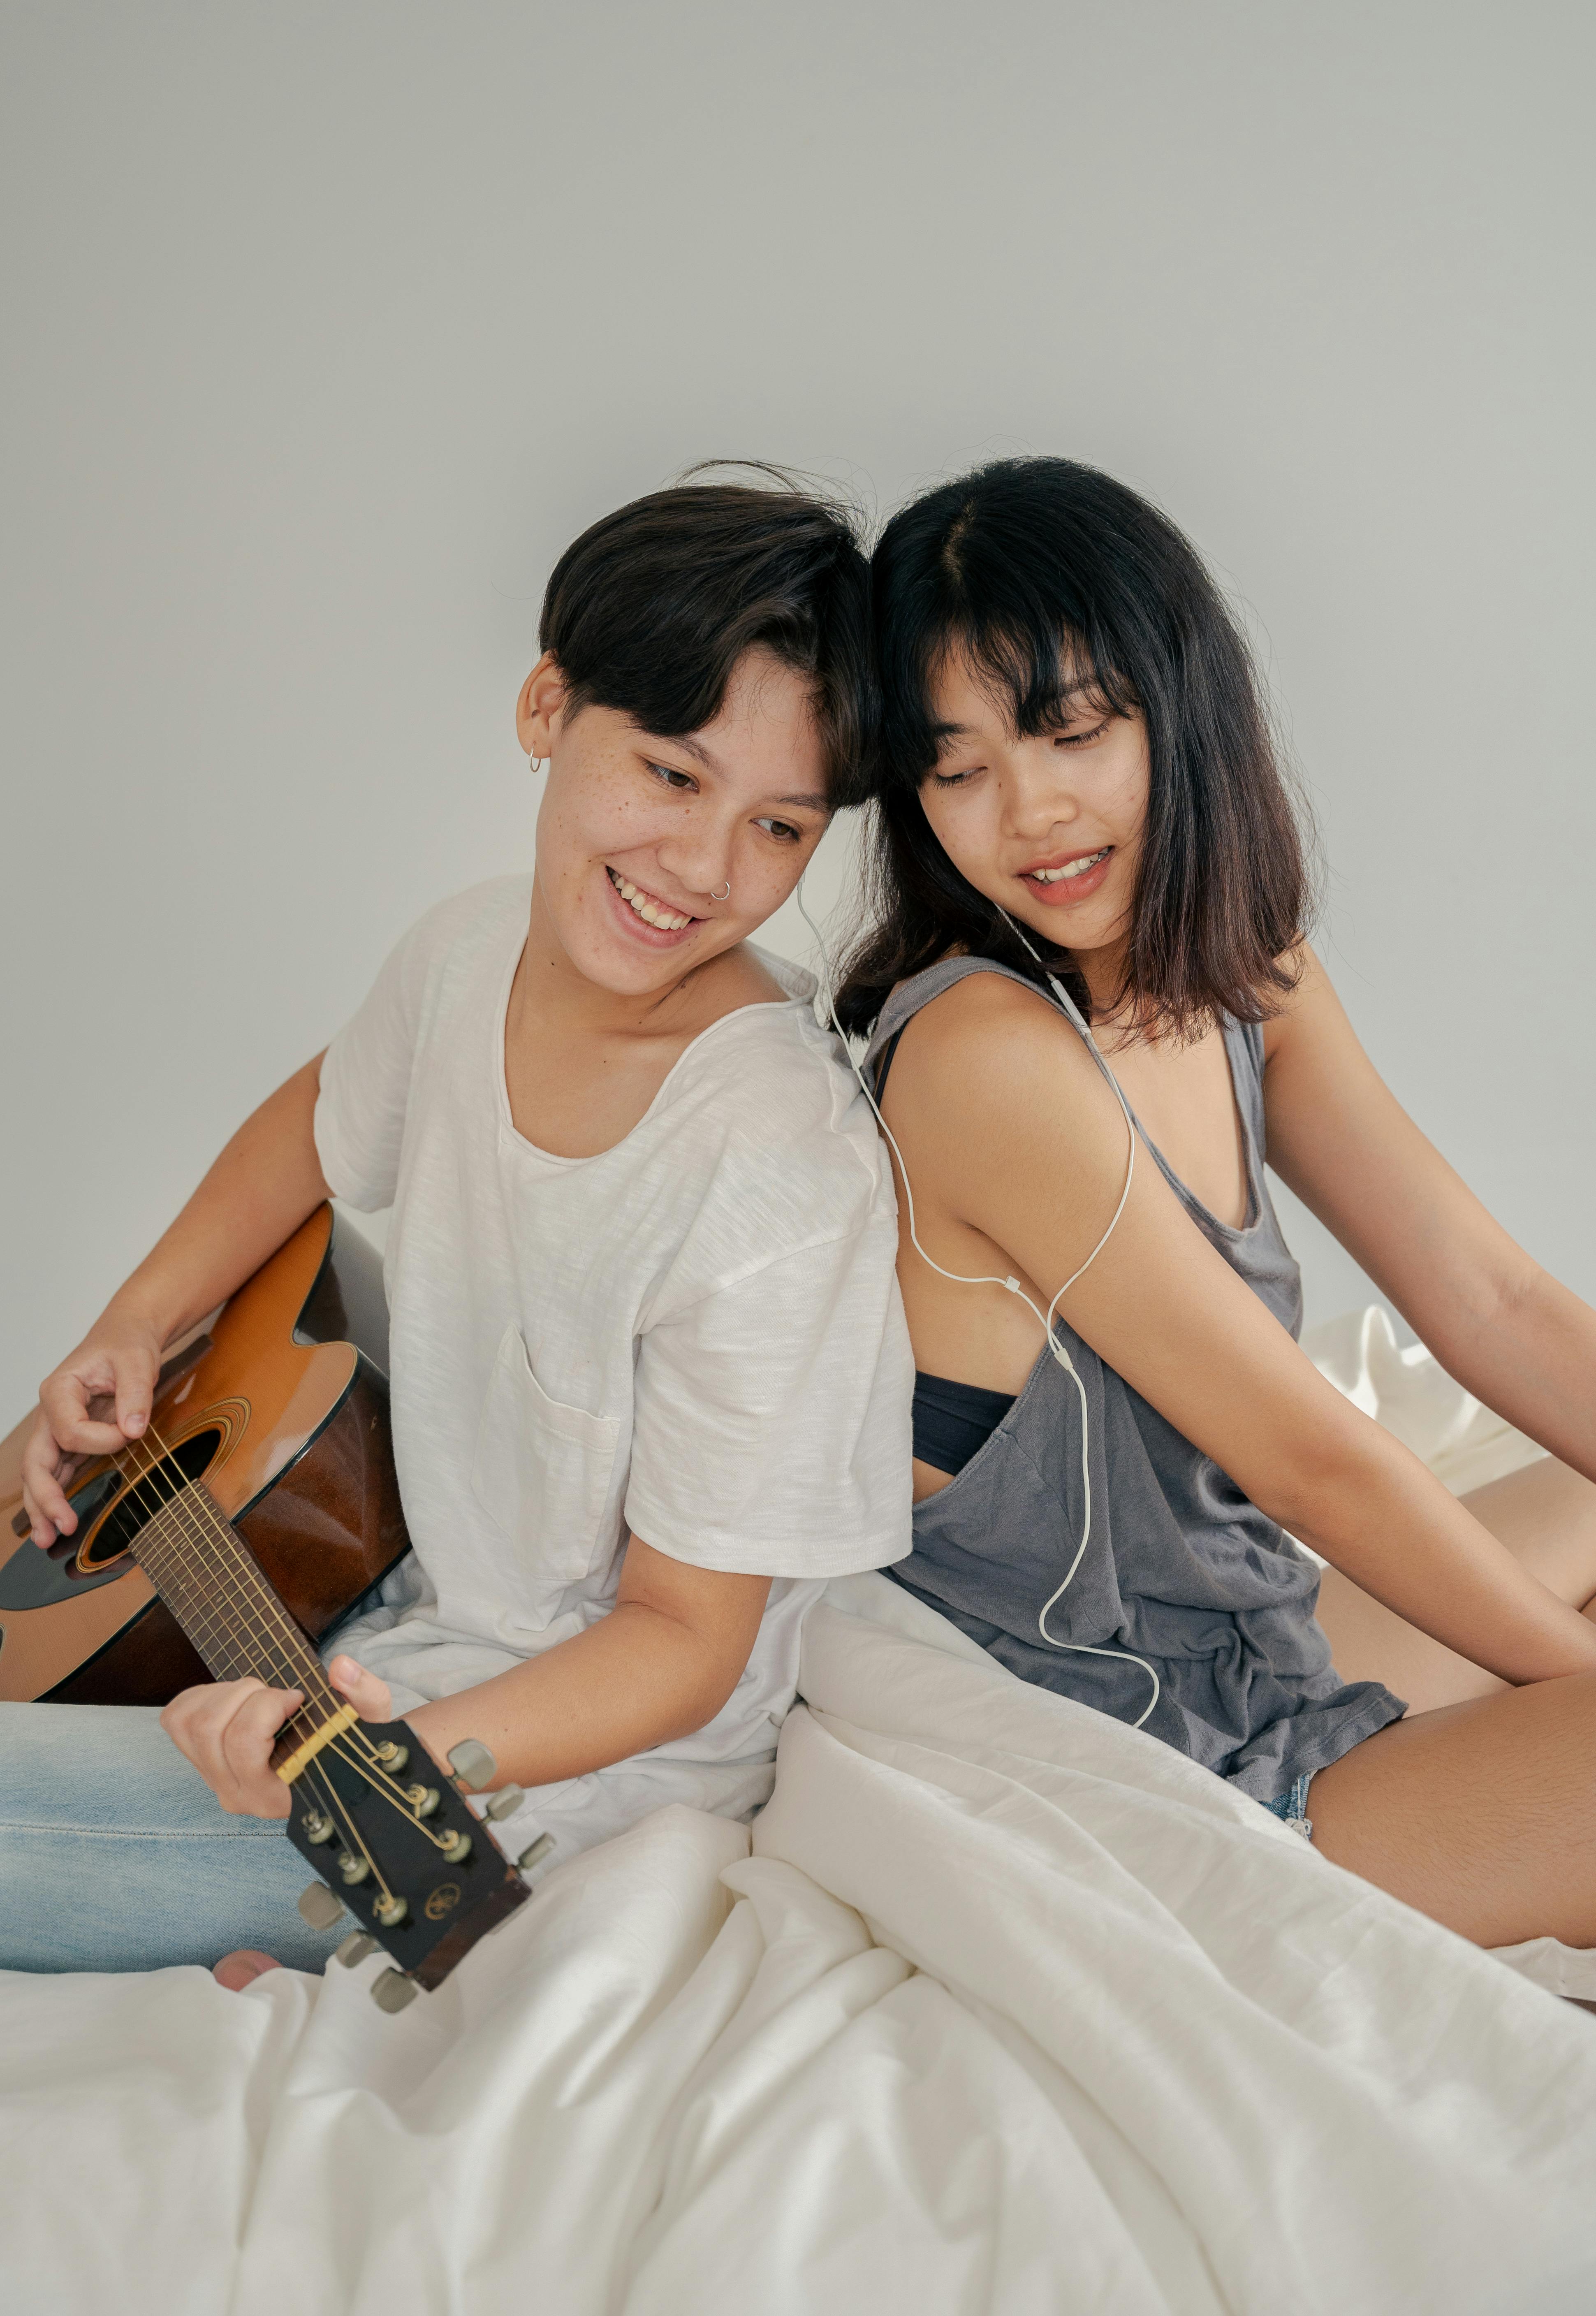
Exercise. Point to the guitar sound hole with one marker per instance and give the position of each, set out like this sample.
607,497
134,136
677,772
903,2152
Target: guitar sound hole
144,1495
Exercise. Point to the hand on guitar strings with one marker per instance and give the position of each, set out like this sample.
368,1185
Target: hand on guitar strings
228,1729
94,1403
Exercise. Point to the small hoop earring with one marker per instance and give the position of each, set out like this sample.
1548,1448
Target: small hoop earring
536,763
726,895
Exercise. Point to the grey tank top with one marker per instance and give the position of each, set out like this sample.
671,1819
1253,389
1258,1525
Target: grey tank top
1181,1568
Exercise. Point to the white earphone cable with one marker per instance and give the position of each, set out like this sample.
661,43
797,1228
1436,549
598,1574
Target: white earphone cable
1044,1318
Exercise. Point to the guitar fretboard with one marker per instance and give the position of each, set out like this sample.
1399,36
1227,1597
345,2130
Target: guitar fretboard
206,1574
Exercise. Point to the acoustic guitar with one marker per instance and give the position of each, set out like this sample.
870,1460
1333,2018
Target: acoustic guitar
259,1507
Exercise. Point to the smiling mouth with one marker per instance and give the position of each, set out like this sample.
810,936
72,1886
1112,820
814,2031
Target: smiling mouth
1070,870
644,904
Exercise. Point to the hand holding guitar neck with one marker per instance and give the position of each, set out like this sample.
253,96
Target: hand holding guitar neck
198,1564
230,1729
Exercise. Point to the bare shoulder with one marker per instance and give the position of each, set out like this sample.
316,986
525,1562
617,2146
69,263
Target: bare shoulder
983,1023
737,977
991,1063
1312,1009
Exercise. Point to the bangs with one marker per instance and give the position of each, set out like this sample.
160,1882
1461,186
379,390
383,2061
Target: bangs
1036,679
651,609
1035,644
1052,585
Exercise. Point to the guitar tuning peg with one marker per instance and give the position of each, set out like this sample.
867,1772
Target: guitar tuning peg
393,1990
539,1848
356,1947
318,1905
508,1799
473,1764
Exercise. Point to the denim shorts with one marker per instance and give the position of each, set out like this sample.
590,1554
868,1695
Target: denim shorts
1292,1805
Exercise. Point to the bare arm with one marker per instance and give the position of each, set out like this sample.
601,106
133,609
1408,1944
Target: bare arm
1017,1149
260,1188
660,1665
1508,1331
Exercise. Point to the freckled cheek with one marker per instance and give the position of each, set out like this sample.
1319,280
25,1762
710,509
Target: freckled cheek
575,837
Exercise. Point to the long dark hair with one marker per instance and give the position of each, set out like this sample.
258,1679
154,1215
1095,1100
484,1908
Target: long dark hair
1048,576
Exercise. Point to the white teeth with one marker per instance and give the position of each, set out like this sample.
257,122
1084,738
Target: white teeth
654,912
1070,868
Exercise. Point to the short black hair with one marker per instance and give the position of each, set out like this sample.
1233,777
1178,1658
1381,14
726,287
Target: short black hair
652,608
1050,576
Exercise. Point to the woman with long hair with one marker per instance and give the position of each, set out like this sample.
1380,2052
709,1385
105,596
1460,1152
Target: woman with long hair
1093,1014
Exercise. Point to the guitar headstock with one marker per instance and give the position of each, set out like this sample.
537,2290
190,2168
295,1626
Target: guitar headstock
394,1844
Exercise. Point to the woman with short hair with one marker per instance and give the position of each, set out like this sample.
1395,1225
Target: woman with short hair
650,1379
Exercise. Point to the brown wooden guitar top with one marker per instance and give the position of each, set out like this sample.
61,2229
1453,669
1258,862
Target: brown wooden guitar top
322,1535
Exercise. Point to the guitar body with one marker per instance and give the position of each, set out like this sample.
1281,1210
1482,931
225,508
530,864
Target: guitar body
283,1411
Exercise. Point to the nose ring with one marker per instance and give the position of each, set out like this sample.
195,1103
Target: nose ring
726,895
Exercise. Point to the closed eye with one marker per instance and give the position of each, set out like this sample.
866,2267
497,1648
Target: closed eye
1080,739
954,780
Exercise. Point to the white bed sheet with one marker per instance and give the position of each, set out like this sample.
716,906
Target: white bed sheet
1010,2009
1006,2007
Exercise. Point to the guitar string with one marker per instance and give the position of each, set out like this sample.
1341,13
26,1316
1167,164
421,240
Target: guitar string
200,1598
286,1641
397,1799
185,1576
164,1522
306,1676
135,1494
244,1567
182,1575
330,1793
407,1808
381,1782
188,1578
208,1607
281,1644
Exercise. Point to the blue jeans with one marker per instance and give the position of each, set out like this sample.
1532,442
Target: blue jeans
1293,1806
115,1854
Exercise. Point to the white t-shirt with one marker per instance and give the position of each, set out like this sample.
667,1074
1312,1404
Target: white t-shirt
696,1335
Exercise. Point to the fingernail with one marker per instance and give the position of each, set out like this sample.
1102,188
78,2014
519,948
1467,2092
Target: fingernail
133,1425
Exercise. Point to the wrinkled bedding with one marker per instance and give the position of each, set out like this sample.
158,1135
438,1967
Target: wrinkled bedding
1002,2006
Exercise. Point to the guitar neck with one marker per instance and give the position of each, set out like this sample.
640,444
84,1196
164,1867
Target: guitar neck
206,1574
423,1877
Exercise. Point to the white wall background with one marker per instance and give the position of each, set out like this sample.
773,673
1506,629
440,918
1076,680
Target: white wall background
326,327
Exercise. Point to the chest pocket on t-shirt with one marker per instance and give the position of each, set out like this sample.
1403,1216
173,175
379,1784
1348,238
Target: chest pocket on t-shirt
541,1471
